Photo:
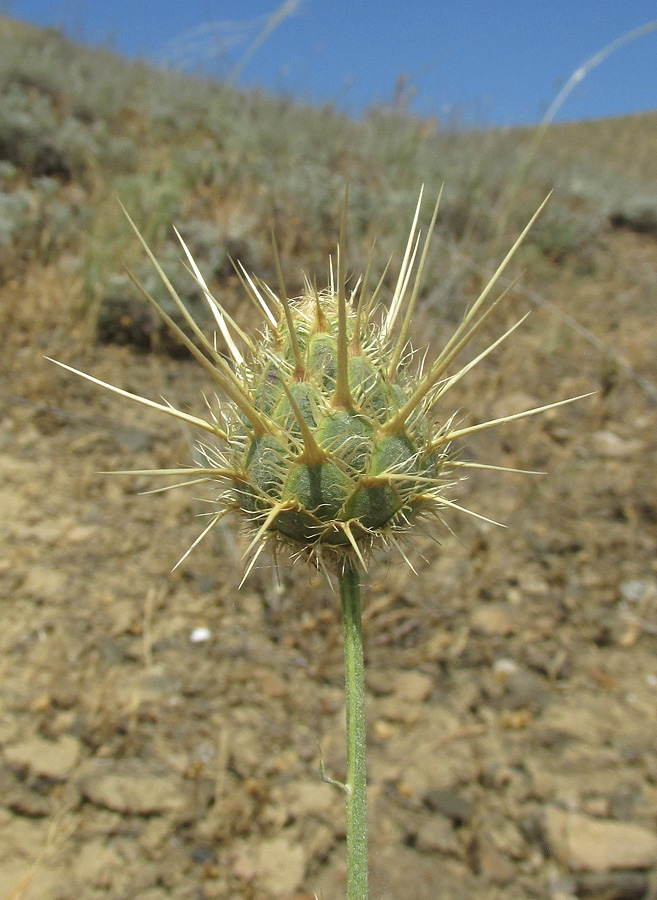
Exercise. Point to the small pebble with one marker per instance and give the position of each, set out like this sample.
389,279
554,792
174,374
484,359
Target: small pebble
200,635
453,806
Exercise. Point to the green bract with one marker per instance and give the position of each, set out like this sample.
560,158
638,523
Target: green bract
329,472
327,436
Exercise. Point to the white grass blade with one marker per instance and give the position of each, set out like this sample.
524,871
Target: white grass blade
470,512
190,470
203,534
475,362
481,299
352,541
393,540
398,294
215,309
461,432
259,298
251,564
169,410
463,464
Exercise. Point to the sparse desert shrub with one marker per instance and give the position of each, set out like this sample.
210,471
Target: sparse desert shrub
635,213
558,236
15,210
35,223
123,317
216,245
201,165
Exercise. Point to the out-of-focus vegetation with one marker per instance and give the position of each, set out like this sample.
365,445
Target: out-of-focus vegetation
79,127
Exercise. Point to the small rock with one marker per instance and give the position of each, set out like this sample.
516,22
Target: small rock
34,883
8,730
413,687
503,668
49,759
437,836
131,791
432,769
44,583
272,684
513,403
154,835
379,682
123,615
96,862
203,855
320,843
623,800
395,710
213,889
560,886
383,730
243,865
492,863
200,635
573,722
79,534
525,690
637,214
598,845
281,866
638,590
494,620
28,803
314,798
305,743
453,806
611,446
598,808
133,440
245,752
612,885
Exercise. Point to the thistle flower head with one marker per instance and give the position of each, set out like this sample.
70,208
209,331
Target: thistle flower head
324,430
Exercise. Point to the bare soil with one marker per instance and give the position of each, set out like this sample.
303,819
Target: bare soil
514,676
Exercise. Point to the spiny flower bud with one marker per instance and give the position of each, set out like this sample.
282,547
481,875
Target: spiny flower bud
327,435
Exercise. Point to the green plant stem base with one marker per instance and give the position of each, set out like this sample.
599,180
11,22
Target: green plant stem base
355,786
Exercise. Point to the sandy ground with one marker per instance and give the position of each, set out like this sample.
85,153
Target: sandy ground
512,683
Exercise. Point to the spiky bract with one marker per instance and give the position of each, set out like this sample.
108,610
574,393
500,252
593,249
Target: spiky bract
327,435
326,474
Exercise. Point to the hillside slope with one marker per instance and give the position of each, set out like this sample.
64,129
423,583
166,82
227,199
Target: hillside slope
512,681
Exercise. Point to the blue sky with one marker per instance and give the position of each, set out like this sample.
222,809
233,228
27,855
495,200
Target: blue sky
483,62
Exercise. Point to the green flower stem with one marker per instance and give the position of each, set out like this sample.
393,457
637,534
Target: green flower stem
355,693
